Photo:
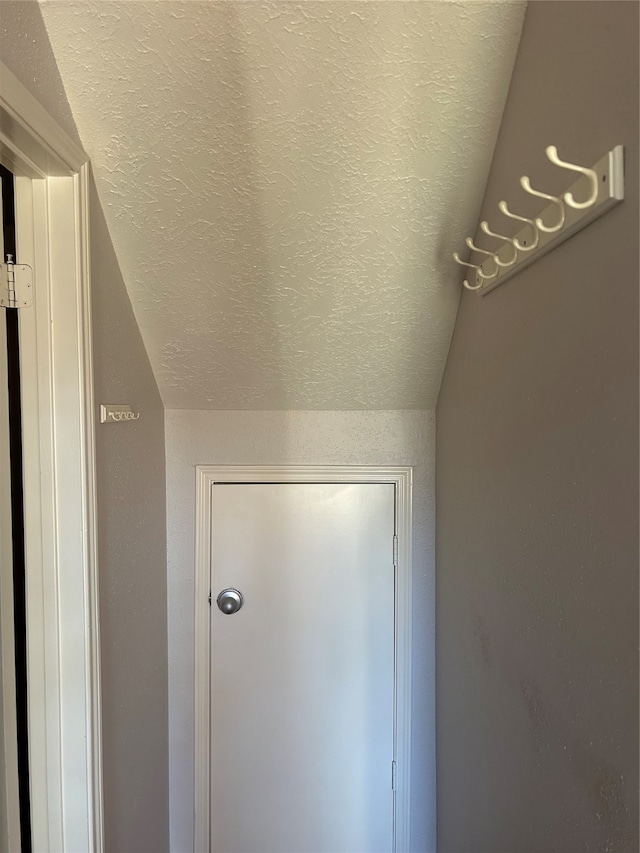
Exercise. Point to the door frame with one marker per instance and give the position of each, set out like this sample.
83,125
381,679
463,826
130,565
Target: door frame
402,478
52,229
9,786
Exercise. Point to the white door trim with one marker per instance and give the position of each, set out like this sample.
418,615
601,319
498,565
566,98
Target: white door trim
206,477
52,223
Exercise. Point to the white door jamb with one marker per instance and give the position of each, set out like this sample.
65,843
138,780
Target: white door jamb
52,209
9,788
207,476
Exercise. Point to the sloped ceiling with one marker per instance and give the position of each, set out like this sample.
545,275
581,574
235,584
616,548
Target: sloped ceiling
284,183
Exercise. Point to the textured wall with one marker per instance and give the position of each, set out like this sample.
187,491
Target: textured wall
131,506
284,183
348,438
25,49
537,487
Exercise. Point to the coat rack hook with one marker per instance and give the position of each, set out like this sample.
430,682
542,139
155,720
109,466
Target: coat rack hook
485,227
458,260
552,153
491,255
475,248
521,247
548,229
476,267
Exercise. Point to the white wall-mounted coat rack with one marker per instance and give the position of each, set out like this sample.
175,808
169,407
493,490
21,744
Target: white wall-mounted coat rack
113,414
596,191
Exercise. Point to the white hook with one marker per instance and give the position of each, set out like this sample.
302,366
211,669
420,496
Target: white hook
521,248
478,269
124,416
457,259
475,248
552,153
491,255
485,227
548,229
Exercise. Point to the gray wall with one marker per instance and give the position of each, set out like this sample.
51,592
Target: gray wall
133,567
297,438
537,482
131,506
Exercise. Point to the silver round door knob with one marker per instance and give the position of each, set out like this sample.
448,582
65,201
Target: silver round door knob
229,601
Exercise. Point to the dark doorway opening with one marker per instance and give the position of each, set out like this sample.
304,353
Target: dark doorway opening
17,515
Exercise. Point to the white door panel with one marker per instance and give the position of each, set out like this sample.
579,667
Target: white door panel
302,676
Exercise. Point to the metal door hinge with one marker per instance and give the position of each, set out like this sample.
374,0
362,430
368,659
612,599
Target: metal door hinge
16,284
209,598
394,773
395,550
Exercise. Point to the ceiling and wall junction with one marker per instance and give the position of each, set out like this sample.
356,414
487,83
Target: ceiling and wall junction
284,184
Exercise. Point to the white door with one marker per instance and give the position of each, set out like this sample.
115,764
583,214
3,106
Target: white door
302,675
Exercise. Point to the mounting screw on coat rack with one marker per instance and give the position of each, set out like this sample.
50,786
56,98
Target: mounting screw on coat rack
113,414
596,191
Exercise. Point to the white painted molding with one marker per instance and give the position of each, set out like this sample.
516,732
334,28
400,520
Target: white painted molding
31,142
402,478
62,615
52,222
90,506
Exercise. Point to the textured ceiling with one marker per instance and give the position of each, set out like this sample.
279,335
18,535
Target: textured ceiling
284,183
